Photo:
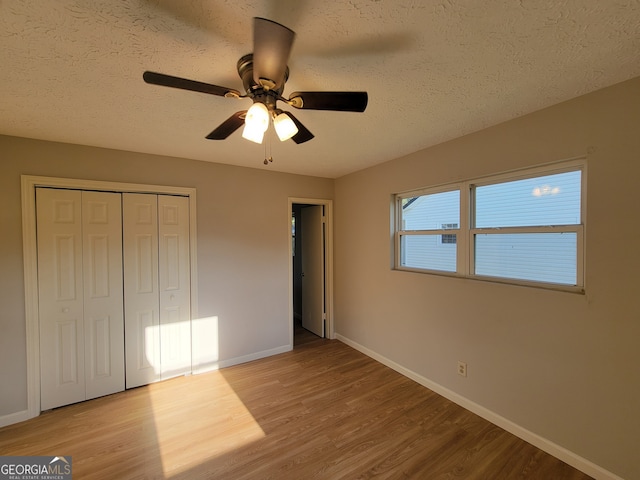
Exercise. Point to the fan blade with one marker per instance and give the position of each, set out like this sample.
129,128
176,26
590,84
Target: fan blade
271,48
229,126
303,134
184,84
338,101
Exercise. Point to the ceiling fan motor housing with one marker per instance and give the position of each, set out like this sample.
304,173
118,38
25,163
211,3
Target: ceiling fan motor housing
245,70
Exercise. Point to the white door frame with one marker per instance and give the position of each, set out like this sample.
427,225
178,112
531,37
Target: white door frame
328,212
30,258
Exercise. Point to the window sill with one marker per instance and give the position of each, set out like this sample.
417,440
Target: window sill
503,281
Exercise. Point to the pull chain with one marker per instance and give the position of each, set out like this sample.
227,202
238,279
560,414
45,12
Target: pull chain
268,160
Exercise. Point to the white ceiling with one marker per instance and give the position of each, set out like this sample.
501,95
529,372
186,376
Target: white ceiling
71,71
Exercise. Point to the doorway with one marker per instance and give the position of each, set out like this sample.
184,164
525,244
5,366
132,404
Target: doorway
311,297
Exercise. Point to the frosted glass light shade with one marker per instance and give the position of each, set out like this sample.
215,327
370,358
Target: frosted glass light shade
285,128
252,134
256,122
258,117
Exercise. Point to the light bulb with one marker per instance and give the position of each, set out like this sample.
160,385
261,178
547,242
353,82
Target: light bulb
285,127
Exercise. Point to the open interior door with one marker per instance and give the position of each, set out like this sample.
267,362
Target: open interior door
312,238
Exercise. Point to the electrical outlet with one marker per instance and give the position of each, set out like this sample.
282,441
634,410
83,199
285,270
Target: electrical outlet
462,369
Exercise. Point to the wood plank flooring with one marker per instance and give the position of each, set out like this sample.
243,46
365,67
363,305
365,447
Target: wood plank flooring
322,411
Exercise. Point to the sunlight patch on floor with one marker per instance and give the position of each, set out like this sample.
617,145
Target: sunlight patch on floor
206,429
224,422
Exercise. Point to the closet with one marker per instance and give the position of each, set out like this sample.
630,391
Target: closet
157,287
80,295
113,291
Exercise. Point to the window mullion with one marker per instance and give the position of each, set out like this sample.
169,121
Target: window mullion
397,226
580,257
464,256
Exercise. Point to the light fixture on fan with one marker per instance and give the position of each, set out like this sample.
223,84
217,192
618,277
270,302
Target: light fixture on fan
285,127
256,123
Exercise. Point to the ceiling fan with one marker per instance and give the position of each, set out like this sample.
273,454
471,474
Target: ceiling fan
264,73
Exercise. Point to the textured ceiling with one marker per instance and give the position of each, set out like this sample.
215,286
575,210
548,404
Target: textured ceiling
71,71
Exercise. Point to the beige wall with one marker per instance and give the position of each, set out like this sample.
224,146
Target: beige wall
243,242
562,365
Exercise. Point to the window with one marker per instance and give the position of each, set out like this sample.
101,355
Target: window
423,219
525,227
448,237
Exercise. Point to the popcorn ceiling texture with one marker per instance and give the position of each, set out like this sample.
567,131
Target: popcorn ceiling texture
435,70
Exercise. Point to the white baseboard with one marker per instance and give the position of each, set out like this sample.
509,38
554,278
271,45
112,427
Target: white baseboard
208,367
542,443
14,418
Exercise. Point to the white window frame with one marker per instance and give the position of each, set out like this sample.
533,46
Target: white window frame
465,261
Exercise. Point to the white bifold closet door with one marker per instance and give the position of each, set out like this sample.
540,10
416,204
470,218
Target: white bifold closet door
156,287
79,241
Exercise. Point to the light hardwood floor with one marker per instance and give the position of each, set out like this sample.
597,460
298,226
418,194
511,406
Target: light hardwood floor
322,411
